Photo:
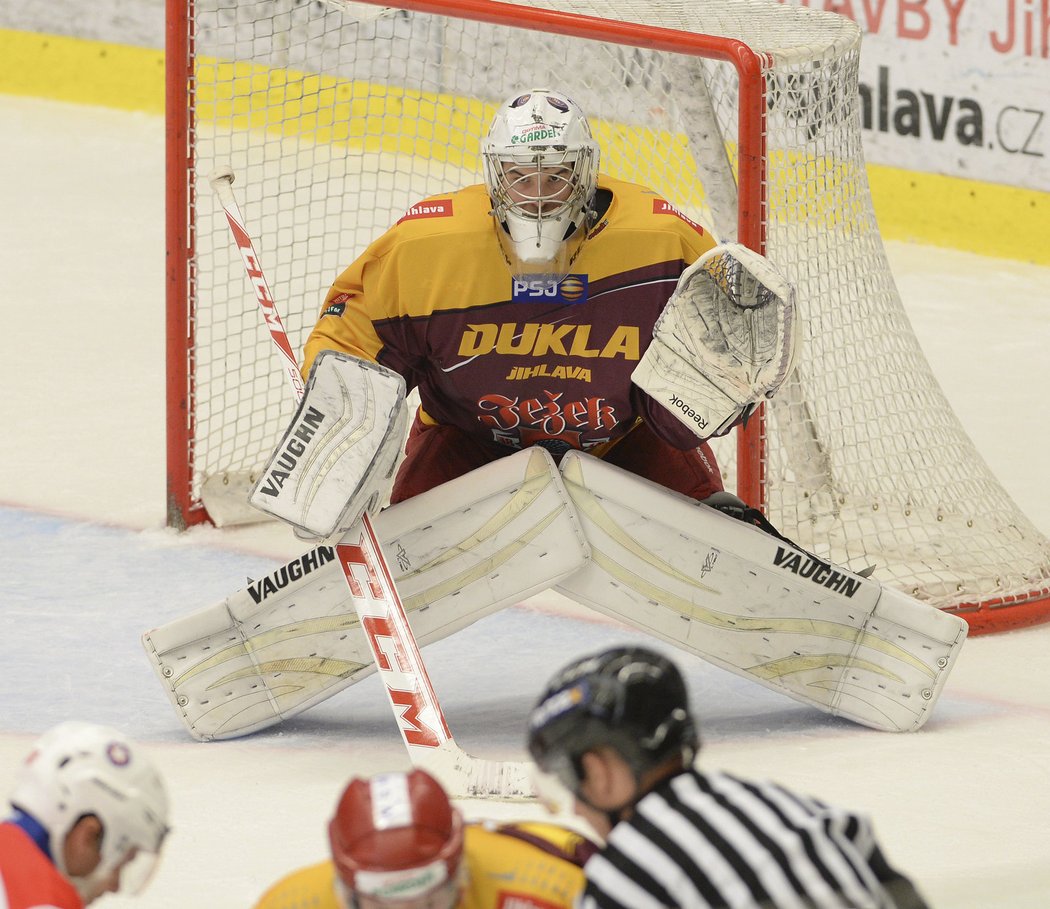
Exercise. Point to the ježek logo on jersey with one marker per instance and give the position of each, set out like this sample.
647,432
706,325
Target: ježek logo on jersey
534,289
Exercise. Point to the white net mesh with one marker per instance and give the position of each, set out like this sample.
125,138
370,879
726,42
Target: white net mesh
335,123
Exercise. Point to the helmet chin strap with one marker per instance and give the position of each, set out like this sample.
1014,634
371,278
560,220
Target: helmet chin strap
57,843
615,814
645,779
344,896
563,253
612,815
92,885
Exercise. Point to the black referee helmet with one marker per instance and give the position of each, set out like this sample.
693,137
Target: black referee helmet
630,699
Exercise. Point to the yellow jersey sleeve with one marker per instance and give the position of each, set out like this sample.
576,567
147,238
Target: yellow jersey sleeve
522,866
312,887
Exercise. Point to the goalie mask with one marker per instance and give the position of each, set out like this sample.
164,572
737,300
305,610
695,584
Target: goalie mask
541,171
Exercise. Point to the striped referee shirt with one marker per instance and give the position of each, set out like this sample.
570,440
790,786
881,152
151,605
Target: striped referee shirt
711,840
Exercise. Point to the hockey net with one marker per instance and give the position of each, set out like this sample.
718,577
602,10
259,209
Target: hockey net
743,114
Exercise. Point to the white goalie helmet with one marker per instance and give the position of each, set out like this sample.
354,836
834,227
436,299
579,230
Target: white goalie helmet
541,171
78,769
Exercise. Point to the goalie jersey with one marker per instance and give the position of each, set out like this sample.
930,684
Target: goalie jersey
507,866
512,362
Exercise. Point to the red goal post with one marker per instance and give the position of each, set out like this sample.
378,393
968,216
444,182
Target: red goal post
742,114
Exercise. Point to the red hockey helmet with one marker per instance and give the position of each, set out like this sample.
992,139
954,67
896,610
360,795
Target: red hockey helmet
396,837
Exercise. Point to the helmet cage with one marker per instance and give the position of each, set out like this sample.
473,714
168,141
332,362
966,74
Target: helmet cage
136,867
542,205
540,183
541,172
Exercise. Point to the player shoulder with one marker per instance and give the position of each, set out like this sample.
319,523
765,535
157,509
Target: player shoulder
552,839
718,786
312,886
462,210
426,227
636,206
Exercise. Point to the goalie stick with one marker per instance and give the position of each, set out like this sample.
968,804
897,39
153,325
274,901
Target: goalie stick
411,695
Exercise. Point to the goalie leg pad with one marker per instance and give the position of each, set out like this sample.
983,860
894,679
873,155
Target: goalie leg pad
457,553
754,604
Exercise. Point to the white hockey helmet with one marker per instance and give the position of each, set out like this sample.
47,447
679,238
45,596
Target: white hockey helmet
78,769
541,171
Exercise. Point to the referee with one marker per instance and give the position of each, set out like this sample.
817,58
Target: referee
615,729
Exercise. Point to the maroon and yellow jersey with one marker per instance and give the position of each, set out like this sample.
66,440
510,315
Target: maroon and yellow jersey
513,362
505,866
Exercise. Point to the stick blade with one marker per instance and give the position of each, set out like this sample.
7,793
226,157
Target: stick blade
467,777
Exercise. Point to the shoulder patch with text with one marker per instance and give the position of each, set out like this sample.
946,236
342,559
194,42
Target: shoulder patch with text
336,305
663,207
433,208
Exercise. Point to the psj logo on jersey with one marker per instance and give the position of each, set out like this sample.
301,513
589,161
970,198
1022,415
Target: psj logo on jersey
533,289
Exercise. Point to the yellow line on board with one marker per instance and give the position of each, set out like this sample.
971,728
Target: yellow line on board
82,72
1005,222
985,218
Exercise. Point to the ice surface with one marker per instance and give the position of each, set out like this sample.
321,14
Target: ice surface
86,566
